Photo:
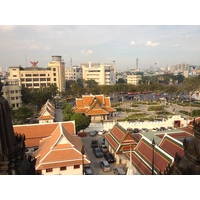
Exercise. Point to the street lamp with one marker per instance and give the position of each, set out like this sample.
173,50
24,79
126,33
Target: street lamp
83,153
153,145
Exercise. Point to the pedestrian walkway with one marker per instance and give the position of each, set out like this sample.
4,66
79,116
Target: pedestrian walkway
58,117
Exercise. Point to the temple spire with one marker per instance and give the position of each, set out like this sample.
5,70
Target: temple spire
12,146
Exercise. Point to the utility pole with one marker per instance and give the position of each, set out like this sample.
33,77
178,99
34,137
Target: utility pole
153,146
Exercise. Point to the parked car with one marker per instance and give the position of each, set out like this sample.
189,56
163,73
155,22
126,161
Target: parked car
93,133
144,130
155,129
101,132
88,171
136,130
162,128
94,143
119,171
98,153
109,157
169,128
104,148
105,166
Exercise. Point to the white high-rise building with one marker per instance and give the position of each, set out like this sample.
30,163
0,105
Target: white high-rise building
102,74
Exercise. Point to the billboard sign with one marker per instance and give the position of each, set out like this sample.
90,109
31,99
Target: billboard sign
192,70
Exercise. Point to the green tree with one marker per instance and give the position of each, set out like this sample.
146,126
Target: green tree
191,84
67,111
81,121
19,116
171,89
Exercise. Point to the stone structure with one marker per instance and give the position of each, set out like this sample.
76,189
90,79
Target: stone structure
189,164
12,145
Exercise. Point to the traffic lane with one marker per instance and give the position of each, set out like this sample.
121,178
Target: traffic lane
95,161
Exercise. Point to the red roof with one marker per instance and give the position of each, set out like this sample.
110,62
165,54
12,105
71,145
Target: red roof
93,105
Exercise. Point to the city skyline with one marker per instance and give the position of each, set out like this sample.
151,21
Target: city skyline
164,45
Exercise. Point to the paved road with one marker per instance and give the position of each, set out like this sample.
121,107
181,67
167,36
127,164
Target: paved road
58,117
95,161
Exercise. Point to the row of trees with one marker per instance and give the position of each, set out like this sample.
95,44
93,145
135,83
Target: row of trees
81,87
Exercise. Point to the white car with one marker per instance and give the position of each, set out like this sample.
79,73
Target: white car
101,132
93,133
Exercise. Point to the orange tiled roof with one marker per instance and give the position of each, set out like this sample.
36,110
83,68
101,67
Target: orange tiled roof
46,117
35,132
60,148
93,105
120,139
48,109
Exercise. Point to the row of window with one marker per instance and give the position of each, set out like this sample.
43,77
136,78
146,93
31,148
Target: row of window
35,79
62,168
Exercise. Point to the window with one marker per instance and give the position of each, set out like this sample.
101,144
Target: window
54,79
54,69
14,75
76,166
49,170
54,74
63,168
28,75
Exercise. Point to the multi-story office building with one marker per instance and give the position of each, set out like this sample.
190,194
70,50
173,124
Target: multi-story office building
102,74
35,77
74,73
12,93
179,68
133,79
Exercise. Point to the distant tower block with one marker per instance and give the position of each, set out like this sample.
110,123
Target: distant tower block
137,63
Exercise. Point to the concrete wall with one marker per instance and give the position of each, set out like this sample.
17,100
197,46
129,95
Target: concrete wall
68,171
149,125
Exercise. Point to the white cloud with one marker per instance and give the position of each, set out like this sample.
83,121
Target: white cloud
177,45
152,44
133,43
86,52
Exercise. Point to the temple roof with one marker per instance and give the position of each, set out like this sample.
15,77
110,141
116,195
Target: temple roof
61,148
35,132
92,105
120,139
142,157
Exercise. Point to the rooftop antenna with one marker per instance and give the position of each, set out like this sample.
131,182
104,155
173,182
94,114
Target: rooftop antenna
136,63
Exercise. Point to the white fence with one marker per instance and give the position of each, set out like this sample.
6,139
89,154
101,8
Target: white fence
146,124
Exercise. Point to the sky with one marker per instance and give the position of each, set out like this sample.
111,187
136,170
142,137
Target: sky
100,33
164,45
